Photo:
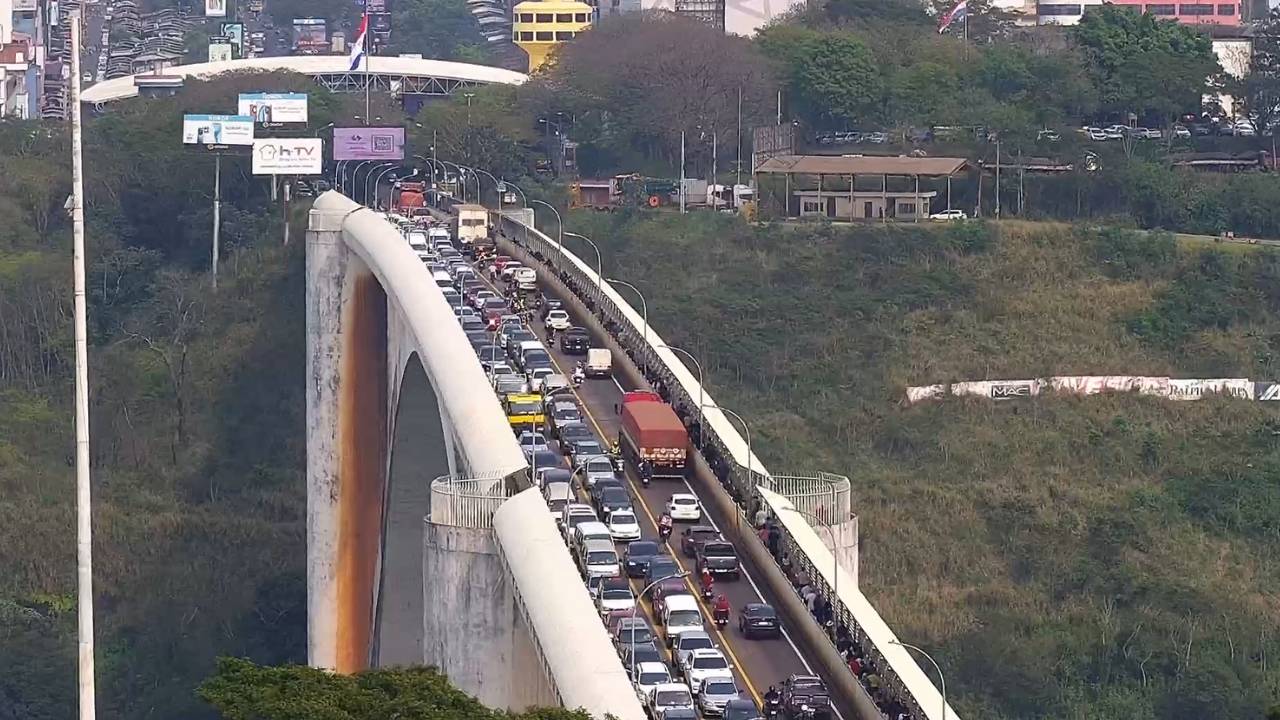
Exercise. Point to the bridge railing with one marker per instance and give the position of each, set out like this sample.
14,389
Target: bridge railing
729,457
467,502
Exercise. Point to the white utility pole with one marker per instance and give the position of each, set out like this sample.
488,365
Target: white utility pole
84,516
217,212
682,187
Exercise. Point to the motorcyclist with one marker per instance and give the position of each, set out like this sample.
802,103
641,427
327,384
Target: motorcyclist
722,608
708,583
772,696
579,374
664,526
646,471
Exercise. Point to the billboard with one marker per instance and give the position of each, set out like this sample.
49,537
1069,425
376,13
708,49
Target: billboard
220,49
368,143
217,130
234,33
310,36
288,156
215,8
375,6
274,107
24,5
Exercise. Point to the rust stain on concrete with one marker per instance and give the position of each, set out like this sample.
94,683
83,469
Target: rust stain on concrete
362,432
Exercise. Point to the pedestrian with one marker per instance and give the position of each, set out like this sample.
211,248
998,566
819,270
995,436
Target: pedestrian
775,536
762,515
855,665
811,600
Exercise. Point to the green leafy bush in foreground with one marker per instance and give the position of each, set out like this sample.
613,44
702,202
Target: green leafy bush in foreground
1104,557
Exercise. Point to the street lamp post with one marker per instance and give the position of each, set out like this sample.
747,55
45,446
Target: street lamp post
496,186
681,574
644,309
941,678
337,173
370,176
355,174
750,455
559,223
376,183
599,261
457,169
701,379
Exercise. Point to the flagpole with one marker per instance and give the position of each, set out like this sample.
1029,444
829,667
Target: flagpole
368,77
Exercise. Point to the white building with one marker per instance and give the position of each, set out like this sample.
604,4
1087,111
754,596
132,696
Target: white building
1062,12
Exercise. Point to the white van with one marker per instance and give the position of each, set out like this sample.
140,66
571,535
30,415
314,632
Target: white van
590,530
525,278
600,557
558,495
599,362
442,279
680,614
418,241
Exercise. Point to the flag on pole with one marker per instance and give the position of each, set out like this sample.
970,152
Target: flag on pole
960,11
358,43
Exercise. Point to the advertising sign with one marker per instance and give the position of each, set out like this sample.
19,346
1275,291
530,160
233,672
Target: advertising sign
234,33
1266,391
215,8
310,36
288,156
368,143
771,141
274,107
1010,389
217,130
1197,389
220,49
919,393
24,5
376,6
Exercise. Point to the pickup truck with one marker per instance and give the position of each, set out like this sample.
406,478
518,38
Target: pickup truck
719,557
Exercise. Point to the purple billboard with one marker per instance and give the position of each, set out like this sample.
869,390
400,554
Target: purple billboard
368,143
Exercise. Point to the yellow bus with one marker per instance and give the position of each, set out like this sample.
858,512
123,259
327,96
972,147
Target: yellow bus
524,411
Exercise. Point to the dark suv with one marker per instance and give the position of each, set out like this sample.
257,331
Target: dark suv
804,697
576,341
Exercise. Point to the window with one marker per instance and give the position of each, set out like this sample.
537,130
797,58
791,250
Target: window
525,36
543,36
580,17
543,17
564,17
526,17
1196,9
906,209
564,36
1226,9
1162,9
811,206
1059,9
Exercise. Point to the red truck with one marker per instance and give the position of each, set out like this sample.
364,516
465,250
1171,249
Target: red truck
652,431
410,199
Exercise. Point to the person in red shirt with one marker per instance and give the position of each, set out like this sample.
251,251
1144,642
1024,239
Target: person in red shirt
721,613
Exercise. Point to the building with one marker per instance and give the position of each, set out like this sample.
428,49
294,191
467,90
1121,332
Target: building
1063,12
877,199
711,12
540,26
17,76
1190,13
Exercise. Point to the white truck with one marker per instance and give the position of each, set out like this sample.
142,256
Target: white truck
599,362
473,224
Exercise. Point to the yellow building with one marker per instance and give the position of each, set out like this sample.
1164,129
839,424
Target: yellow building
541,25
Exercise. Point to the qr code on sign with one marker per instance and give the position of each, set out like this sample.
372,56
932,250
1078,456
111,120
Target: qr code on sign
383,143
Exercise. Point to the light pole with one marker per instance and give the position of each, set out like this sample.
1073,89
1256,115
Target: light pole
599,260
559,223
681,574
644,309
496,185
457,173
337,173
835,557
747,430
377,182
355,174
698,365
941,679
370,176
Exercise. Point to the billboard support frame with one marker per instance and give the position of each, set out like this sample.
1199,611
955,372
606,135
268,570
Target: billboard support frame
217,213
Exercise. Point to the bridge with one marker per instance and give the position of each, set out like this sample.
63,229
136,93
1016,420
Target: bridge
426,543
398,75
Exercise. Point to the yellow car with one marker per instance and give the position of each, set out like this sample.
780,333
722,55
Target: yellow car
524,411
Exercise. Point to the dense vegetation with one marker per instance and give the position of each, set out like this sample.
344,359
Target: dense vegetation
1094,558
196,413
243,691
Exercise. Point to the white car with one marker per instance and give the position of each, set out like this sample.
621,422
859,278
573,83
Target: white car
649,675
623,526
702,664
558,320
947,215
509,269
540,376
615,594
683,506
668,695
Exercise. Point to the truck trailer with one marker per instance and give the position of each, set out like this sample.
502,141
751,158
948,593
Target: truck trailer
652,431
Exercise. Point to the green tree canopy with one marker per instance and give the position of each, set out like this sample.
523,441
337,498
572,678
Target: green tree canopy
831,75
439,29
241,690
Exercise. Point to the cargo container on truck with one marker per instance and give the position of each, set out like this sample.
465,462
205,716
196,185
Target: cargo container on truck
473,224
652,431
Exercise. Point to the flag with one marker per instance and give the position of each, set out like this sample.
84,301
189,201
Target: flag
358,43
959,12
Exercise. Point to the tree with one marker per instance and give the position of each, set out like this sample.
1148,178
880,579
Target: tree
982,23
241,690
440,29
832,75
1127,54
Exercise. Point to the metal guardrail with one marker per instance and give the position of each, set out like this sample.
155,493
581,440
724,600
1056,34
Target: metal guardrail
822,495
467,502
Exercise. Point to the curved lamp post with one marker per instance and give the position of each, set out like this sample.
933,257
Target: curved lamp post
599,260
941,679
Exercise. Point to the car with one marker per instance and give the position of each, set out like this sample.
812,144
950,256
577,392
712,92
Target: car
740,708
613,499
491,354
574,515
648,675
481,297
623,526
511,339
759,620
544,476
697,665
557,494
1181,132
588,530
563,412
538,377
714,693
501,261
719,557
508,269
684,506
948,215
615,594
549,305
1244,128
594,468
640,652
665,589
598,489
1049,135
576,341
806,691
660,566
543,458
632,630
598,557
504,384
636,556
668,696
694,536
593,585
579,447
531,360
574,431
557,320
678,713
1096,134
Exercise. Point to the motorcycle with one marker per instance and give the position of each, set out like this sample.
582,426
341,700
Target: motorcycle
722,619
664,532
772,708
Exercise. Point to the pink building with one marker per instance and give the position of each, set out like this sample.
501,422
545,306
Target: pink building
1200,12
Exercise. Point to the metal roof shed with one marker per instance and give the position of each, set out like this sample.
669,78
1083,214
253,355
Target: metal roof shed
882,204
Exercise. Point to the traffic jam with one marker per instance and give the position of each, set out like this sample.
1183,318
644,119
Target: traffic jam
658,572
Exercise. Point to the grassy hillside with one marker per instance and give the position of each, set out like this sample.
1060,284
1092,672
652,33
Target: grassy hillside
1109,557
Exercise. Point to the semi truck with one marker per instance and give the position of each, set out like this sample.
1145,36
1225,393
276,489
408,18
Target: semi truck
473,224
652,431
410,200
